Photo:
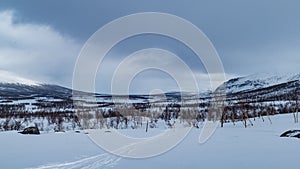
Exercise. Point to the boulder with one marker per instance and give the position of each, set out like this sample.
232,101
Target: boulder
30,130
291,133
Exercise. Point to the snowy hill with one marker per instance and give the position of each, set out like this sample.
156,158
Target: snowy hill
18,90
259,81
13,86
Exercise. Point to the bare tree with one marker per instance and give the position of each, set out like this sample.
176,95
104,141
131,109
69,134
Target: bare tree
297,104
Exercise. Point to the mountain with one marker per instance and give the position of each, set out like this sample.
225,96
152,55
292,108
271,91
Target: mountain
16,90
14,86
263,87
258,81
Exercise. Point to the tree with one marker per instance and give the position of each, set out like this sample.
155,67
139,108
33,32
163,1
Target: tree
296,104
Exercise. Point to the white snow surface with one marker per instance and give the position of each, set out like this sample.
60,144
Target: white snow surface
9,77
232,147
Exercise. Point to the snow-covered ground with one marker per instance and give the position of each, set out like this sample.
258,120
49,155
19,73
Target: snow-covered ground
232,147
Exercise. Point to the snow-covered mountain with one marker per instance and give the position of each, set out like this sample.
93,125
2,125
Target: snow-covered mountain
259,81
15,90
14,86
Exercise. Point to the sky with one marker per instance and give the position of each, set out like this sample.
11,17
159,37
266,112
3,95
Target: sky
41,40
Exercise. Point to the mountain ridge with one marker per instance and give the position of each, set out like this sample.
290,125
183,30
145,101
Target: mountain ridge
258,81
12,85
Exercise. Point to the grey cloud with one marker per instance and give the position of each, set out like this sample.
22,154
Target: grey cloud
250,36
38,51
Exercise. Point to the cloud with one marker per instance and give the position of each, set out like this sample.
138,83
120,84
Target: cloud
280,56
36,51
41,53
154,69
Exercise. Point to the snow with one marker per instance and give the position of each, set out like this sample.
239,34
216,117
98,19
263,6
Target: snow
233,147
9,77
23,151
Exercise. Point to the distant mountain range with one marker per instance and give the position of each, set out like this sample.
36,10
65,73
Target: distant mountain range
257,85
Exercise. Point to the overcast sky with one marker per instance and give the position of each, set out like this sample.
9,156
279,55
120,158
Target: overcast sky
41,40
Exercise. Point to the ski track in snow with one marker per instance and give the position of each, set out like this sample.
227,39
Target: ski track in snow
101,161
